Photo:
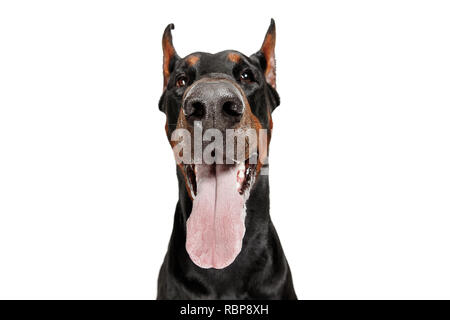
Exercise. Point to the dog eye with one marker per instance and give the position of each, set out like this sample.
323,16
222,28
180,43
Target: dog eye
247,76
181,81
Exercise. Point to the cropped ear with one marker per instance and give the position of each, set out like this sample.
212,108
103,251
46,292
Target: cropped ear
170,55
266,55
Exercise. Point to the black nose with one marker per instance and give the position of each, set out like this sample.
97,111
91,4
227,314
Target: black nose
215,102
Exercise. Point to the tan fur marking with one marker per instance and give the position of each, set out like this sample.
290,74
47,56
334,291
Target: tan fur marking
234,57
192,60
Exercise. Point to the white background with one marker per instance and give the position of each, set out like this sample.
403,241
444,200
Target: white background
360,159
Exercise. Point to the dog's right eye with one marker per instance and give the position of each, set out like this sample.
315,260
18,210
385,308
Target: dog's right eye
181,81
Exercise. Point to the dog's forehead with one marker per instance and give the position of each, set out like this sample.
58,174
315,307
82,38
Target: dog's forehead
222,62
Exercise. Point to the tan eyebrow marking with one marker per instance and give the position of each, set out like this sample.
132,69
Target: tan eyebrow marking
192,60
234,57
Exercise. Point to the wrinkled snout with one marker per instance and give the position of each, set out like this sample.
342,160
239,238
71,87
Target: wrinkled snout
217,103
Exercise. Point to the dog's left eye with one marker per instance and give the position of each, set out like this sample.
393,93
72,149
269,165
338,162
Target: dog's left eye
181,81
247,76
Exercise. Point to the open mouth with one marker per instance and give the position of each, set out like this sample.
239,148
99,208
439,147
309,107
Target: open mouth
245,176
216,226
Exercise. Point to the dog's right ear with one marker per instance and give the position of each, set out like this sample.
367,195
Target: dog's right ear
170,55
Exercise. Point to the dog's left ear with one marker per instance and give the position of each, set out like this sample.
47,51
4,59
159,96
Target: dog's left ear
170,55
266,55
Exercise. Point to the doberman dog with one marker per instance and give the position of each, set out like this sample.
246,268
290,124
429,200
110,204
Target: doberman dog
223,244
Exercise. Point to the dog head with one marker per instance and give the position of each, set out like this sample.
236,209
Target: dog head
212,102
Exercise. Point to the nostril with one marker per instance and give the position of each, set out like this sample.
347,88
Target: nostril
195,109
233,109
199,109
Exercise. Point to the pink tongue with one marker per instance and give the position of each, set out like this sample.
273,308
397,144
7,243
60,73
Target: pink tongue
216,225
